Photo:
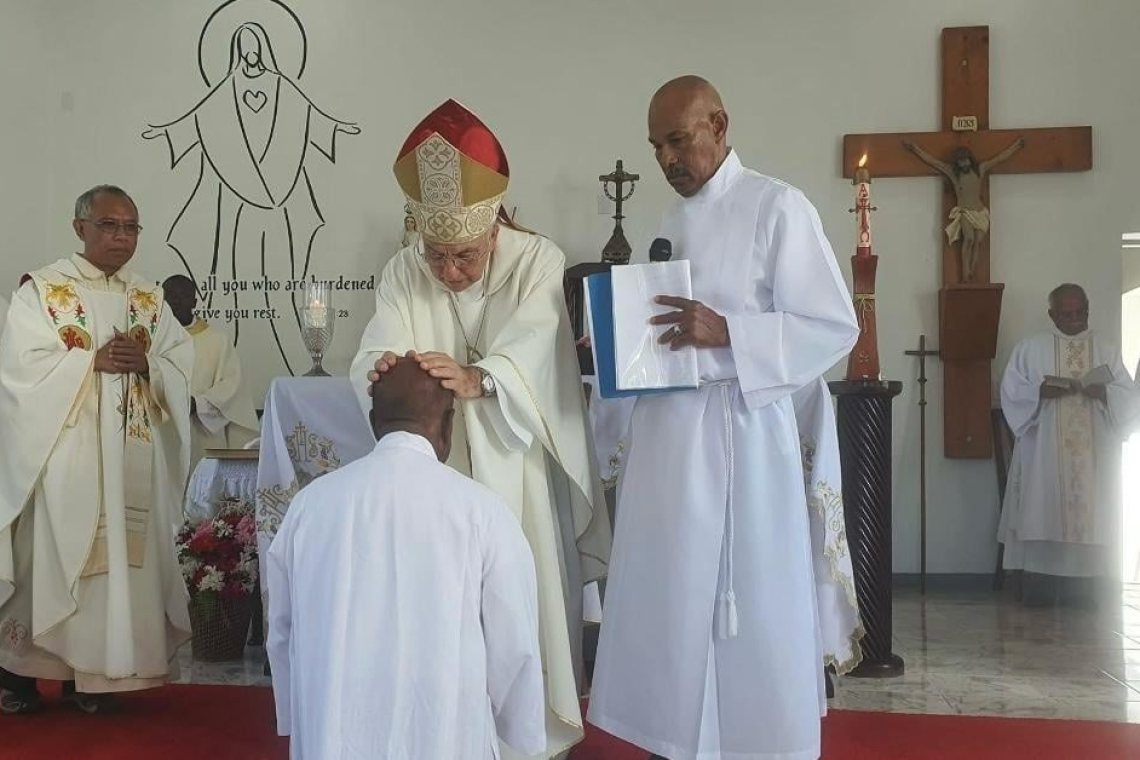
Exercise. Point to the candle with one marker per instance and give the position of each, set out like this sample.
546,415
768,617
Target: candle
318,312
862,184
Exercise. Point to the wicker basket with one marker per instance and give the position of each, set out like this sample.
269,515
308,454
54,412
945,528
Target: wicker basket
219,626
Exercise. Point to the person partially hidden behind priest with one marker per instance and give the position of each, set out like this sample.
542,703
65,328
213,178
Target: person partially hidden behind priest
221,412
483,304
1068,400
95,396
404,615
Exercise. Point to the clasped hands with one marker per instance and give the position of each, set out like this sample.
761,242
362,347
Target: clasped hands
1096,392
122,354
464,382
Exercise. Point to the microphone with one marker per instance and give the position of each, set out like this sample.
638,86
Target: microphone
660,250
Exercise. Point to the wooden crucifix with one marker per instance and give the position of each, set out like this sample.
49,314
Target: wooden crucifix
965,152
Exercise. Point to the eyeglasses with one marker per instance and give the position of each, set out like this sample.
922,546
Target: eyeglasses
111,227
464,260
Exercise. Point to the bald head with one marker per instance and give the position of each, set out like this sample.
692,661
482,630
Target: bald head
689,91
688,129
1069,308
408,399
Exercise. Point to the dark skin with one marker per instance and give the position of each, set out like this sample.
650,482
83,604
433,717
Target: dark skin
688,129
182,298
1070,313
407,399
110,252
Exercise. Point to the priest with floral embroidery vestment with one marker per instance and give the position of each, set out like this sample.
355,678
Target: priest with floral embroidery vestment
94,394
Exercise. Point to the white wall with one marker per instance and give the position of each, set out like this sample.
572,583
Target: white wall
565,86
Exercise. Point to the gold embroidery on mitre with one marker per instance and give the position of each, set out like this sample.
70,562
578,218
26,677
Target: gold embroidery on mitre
453,198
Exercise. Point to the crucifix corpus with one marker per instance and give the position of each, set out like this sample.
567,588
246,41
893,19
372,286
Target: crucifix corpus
965,153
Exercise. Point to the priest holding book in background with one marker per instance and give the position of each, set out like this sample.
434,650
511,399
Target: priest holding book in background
1069,401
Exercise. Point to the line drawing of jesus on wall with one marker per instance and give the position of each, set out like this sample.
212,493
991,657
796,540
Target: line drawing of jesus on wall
253,213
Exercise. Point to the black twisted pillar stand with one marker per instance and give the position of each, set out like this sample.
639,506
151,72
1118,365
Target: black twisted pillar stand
864,420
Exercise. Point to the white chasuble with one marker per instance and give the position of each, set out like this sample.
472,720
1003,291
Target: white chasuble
91,483
225,417
530,444
710,645
403,621
1061,513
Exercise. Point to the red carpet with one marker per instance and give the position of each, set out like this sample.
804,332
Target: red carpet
236,723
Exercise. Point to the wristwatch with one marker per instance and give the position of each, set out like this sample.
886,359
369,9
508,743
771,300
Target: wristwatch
486,383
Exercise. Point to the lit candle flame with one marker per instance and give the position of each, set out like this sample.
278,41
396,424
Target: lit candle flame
863,161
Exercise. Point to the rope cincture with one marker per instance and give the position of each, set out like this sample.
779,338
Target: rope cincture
726,623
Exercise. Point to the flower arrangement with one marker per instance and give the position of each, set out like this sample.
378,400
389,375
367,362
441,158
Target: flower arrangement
219,555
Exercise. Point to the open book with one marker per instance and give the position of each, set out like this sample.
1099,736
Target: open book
627,357
1101,375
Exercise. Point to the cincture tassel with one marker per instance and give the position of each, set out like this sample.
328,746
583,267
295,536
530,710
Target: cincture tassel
725,621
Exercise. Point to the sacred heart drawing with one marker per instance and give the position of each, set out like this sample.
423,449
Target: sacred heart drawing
253,214
254,101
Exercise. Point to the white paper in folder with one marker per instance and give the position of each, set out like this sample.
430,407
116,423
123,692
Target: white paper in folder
641,362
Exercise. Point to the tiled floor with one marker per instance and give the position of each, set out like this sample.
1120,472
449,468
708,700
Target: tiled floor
965,653
980,654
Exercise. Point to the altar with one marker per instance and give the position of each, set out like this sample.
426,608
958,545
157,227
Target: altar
310,427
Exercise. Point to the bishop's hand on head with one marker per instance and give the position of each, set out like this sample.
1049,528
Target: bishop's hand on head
464,382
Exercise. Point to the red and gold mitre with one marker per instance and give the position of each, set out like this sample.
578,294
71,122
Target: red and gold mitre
454,173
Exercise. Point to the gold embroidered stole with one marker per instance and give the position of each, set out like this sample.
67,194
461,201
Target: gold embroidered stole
1076,460
64,306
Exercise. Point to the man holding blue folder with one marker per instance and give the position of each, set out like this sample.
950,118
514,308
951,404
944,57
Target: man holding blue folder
710,644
